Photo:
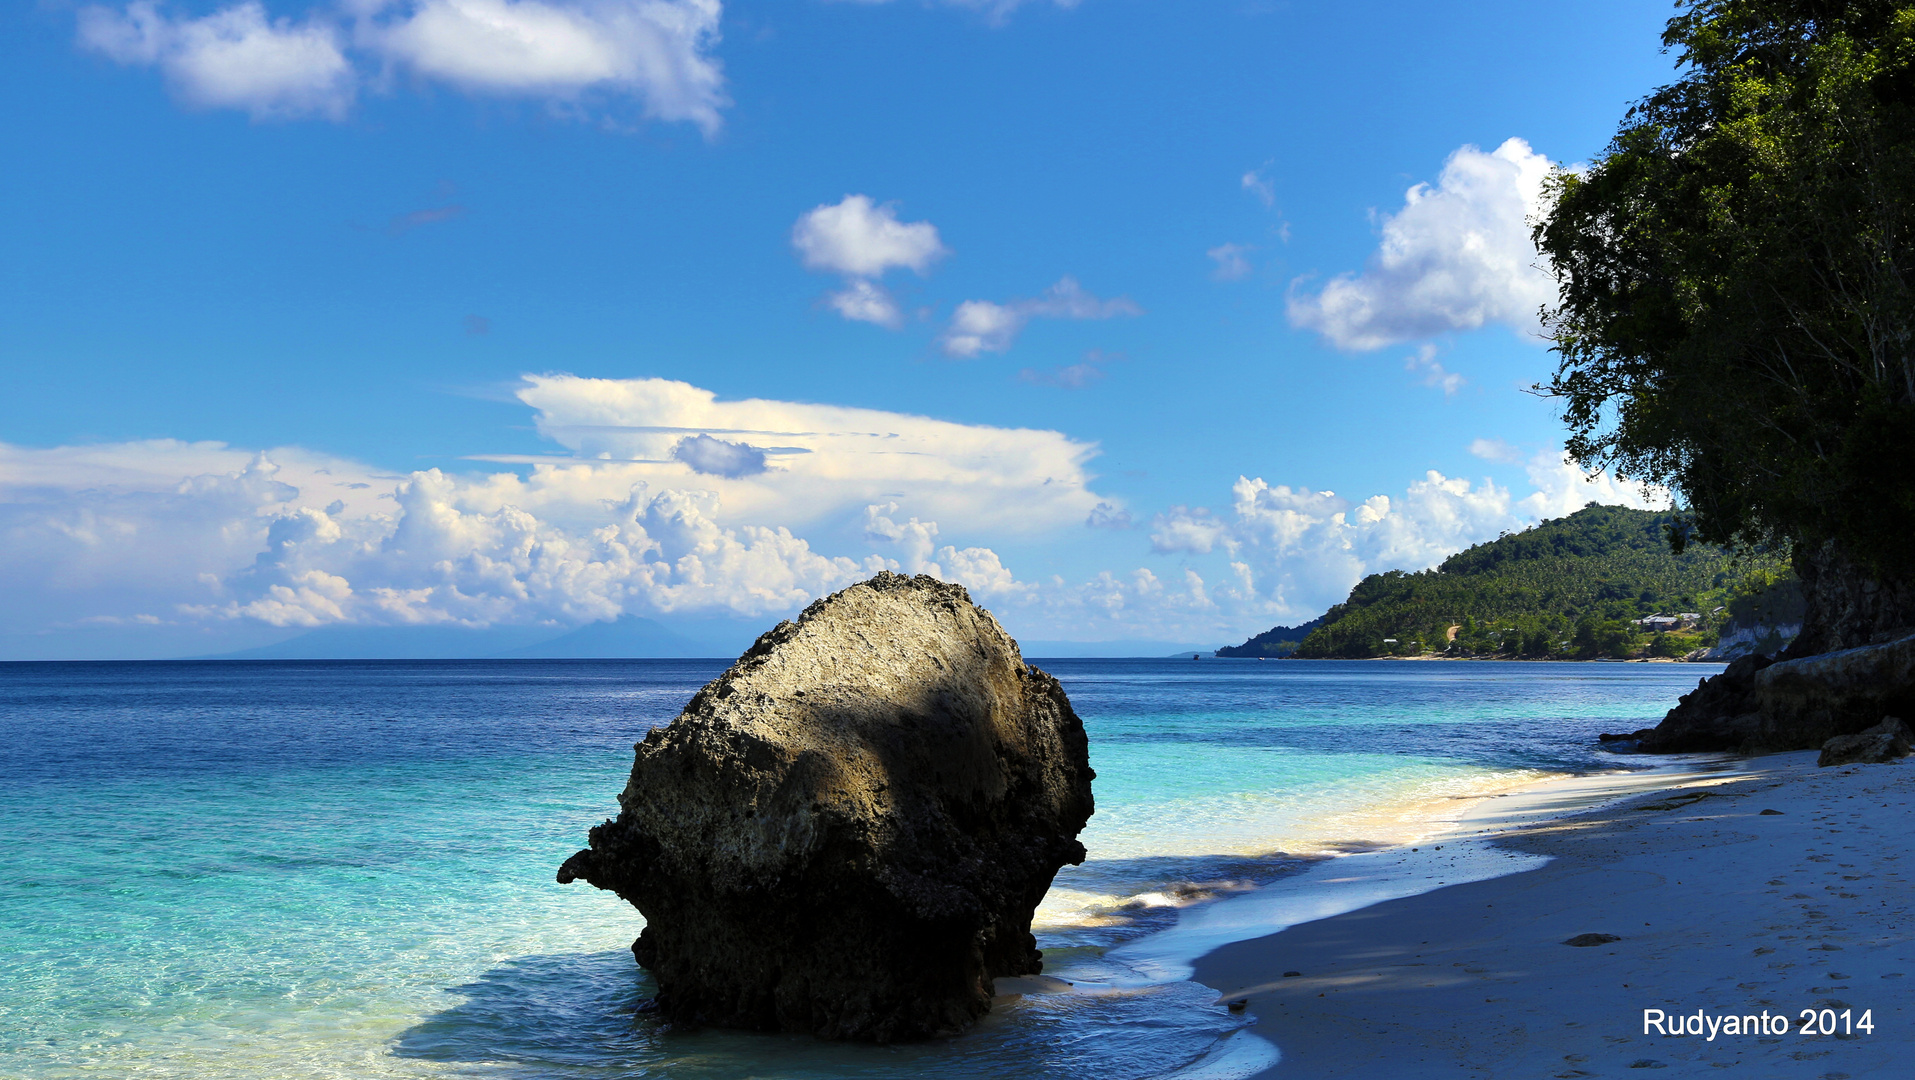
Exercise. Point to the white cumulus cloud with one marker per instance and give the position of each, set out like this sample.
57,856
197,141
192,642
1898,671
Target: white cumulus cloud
655,52
859,238
1296,551
823,462
169,533
1458,256
1563,487
236,58
866,301
862,240
671,501
981,326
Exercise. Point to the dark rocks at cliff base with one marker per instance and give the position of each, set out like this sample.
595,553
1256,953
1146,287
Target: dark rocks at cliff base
1852,664
1719,714
847,833
1763,704
1886,741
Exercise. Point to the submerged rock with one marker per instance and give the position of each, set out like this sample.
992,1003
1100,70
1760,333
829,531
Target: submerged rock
1584,941
848,831
1885,741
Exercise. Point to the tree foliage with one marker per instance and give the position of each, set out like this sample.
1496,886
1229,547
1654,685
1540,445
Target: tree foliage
1736,317
1568,588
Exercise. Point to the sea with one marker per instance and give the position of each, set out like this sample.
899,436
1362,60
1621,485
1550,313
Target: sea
289,869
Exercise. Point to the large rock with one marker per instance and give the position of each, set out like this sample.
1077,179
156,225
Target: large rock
848,831
1852,663
1806,702
1885,741
1758,704
1848,604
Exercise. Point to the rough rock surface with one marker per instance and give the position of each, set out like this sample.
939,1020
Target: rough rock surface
1852,664
1719,714
1847,606
1759,704
847,832
1885,741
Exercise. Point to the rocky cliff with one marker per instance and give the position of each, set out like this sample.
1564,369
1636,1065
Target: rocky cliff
847,832
1848,605
1852,664
1760,704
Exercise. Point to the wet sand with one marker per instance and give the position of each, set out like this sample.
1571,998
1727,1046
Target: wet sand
1717,907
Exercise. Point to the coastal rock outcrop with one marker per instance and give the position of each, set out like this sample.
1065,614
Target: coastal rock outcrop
1848,606
1852,664
847,832
1886,741
1719,714
1758,703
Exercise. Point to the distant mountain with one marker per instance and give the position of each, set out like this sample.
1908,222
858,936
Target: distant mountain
627,636
398,643
1274,642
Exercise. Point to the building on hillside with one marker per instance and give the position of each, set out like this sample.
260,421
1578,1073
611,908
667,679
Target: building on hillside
1660,623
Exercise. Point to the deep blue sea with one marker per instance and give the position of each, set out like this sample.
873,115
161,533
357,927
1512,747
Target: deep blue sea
284,869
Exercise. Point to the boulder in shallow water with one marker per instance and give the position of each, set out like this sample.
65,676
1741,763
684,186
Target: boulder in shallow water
847,832
1886,741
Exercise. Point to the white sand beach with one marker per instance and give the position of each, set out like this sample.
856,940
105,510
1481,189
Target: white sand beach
1718,908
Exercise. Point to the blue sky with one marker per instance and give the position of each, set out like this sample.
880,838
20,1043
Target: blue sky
1149,266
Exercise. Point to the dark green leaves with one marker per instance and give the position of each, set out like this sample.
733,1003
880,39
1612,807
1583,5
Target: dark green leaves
1736,317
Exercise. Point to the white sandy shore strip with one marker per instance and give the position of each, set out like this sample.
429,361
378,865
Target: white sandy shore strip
1720,909
1452,844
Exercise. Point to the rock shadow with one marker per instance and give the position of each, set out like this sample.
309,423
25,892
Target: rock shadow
567,1015
545,1015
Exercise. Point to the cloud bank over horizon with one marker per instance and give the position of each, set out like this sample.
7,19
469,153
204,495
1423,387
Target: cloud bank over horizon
674,502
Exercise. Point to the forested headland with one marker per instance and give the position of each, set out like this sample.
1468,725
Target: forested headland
1571,588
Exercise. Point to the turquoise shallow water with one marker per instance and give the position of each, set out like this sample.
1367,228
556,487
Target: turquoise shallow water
333,869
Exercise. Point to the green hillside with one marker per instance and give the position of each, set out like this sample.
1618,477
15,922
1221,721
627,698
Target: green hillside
1567,588
1278,641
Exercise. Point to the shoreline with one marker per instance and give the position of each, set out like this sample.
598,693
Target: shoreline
1457,842
1480,659
1445,840
1716,906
